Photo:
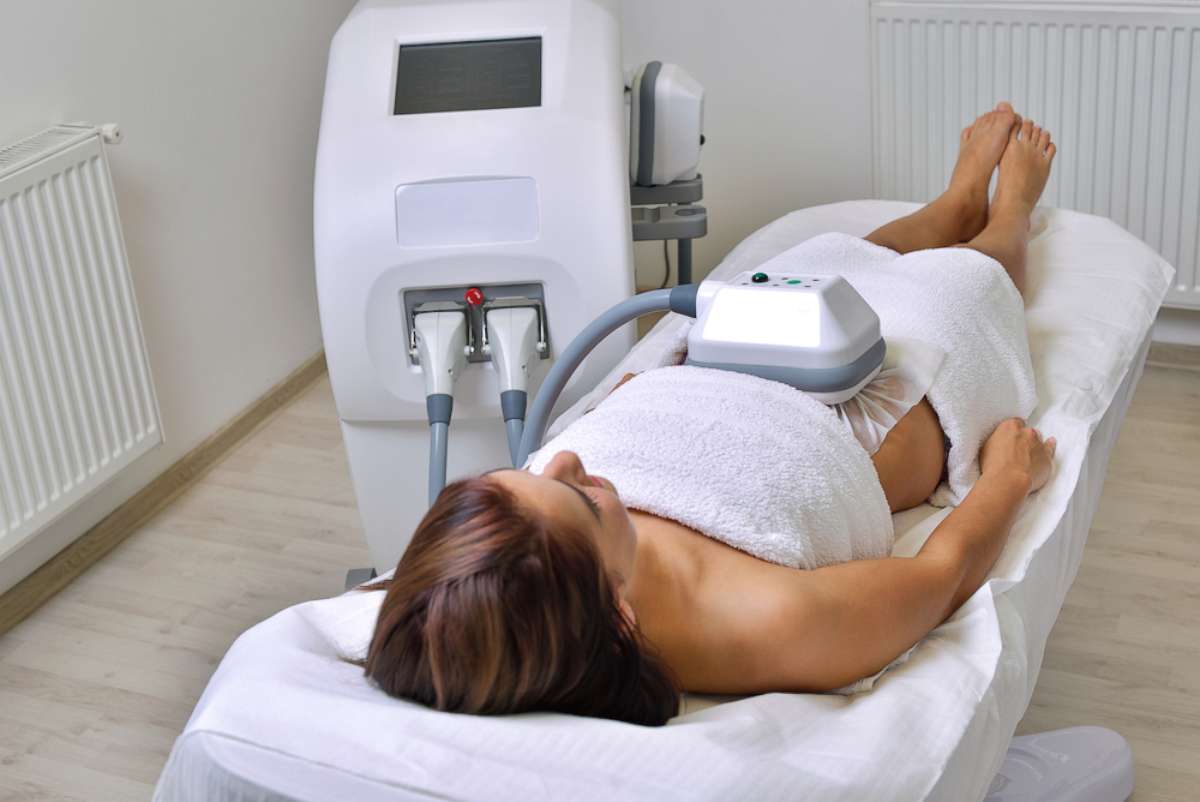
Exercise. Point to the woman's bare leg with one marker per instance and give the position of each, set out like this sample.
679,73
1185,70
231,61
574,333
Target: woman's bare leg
1024,170
910,461
961,212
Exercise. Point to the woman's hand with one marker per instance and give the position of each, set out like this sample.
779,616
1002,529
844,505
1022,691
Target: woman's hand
624,379
1017,450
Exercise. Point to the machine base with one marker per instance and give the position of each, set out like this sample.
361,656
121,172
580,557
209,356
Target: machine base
359,576
1078,764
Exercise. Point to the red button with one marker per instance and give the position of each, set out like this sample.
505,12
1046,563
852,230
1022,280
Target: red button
474,296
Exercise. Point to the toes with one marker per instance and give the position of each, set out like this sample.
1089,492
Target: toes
1043,140
1050,151
1035,135
1004,114
966,134
996,118
1026,131
1014,125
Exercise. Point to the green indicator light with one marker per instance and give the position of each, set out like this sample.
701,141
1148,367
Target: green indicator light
759,278
793,281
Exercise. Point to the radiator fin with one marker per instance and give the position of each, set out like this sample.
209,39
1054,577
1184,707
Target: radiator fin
1119,88
77,404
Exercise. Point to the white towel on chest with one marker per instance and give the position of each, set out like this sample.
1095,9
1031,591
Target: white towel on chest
753,463
957,299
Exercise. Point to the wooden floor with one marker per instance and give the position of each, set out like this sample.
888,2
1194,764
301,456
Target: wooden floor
96,684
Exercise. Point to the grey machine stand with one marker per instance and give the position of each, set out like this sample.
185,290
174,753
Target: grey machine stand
670,212
666,122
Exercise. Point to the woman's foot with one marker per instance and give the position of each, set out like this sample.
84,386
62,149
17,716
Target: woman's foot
980,148
960,213
1024,170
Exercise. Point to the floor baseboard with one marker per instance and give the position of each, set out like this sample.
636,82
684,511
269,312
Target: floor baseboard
1172,355
34,590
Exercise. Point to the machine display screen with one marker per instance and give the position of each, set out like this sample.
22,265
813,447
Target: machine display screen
469,76
762,317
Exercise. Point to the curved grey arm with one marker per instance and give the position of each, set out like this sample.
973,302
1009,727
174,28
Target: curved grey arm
680,299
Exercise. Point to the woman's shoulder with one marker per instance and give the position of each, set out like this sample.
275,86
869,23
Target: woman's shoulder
710,610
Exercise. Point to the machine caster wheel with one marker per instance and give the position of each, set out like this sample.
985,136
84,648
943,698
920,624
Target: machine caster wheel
1078,764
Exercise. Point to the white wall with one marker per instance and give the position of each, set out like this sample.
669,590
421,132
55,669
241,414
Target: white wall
787,107
219,102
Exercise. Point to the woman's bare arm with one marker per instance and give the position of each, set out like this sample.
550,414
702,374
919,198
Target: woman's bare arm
843,622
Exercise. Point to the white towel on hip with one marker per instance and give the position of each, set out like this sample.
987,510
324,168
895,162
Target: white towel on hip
750,462
907,373
957,299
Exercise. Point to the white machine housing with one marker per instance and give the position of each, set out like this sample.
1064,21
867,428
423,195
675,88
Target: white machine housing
420,191
814,332
666,124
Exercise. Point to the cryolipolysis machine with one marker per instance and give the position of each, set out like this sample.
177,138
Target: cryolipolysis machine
471,215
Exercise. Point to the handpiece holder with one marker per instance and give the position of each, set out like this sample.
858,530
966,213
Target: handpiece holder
513,340
441,334
515,343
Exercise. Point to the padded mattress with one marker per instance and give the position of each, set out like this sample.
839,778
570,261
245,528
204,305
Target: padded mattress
284,719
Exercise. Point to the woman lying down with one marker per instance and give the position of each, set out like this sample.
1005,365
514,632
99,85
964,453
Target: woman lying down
713,532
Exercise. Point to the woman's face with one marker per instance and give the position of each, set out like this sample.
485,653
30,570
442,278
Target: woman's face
569,495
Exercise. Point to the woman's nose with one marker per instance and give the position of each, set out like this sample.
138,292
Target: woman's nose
564,465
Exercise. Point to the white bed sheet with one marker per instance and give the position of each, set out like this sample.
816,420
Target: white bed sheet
284,719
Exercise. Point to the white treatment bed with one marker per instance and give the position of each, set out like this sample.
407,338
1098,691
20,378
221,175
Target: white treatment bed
284,719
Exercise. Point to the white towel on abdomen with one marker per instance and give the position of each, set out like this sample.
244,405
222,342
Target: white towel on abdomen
958,299
750,462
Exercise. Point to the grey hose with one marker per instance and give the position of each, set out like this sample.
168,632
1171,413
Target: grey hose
437,459
515,428
438,407
512,409
680,299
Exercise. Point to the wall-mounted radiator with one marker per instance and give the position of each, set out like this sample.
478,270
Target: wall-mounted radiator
76,400
1118,86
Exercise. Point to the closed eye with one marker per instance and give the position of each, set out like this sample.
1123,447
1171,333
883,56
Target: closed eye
591,505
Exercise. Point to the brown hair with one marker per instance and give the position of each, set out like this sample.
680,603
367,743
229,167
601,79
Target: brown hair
494,610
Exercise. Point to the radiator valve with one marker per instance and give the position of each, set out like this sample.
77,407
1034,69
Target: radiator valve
111,134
